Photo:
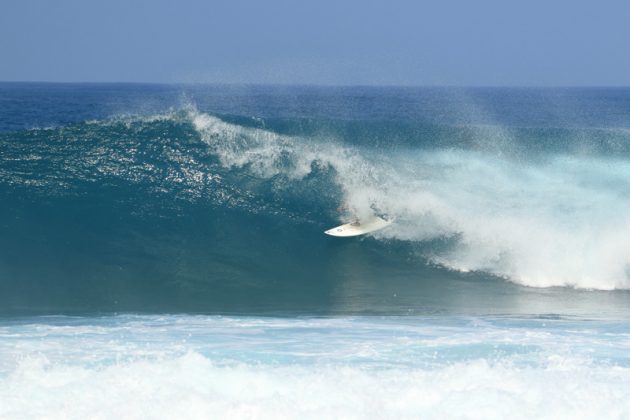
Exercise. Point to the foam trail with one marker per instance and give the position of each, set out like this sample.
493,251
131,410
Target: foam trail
559,220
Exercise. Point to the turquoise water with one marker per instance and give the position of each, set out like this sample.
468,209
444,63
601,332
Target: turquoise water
164,244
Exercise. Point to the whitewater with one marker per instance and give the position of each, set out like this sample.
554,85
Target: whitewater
243,367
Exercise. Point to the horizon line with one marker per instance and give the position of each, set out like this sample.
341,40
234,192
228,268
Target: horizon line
314,85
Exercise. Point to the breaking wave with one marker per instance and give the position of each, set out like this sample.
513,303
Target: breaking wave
553,220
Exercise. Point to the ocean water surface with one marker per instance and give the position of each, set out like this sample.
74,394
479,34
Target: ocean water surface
162,252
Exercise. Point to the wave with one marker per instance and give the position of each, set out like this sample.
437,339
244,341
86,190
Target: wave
541,218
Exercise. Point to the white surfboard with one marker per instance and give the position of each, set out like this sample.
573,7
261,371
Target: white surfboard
359,228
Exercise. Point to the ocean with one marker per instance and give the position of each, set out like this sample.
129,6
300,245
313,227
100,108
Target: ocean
162,252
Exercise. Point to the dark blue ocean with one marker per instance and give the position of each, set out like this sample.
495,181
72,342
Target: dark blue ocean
164,245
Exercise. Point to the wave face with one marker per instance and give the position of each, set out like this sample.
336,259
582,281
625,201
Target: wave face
215,198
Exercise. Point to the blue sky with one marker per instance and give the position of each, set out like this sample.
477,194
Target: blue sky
449,42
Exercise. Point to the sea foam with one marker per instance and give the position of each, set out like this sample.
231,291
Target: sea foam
200,367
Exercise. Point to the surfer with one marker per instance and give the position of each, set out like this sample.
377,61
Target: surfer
357,227
343,209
